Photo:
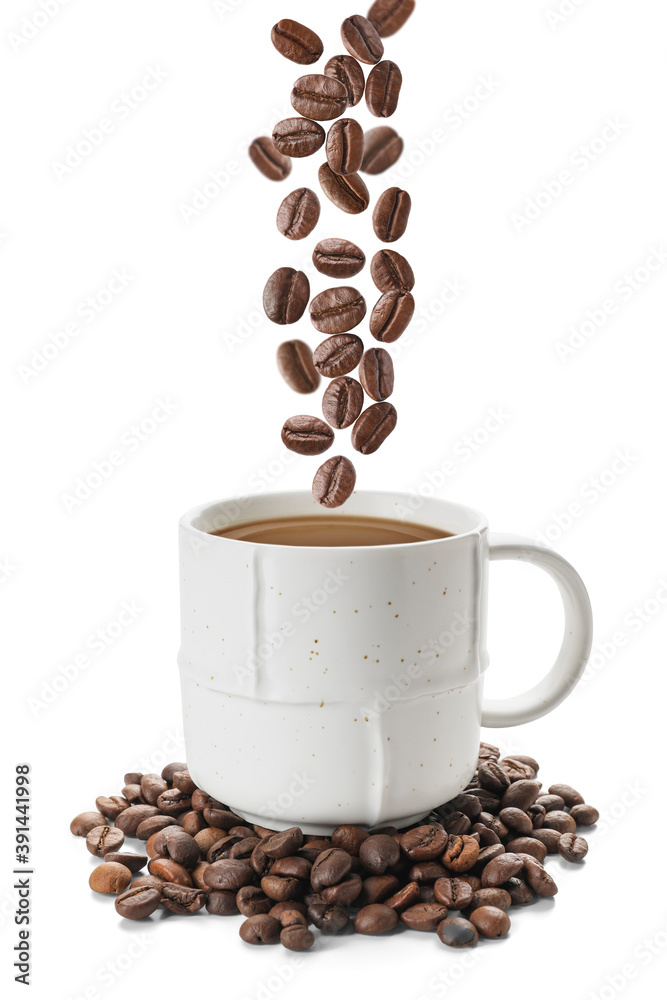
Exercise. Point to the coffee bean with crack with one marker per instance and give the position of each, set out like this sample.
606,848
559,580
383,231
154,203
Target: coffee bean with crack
391,316
572,848
307,435
345,146
371,431
339,355
347,71
342,402
338,258
298,214
295,364
391,214
389,16
349,192
319,97
383,89
361,39
298,137
268,160
334,482
286,296
337,310
297,42
376,373
383,147
391,272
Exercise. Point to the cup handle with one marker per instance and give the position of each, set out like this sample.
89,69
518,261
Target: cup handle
577,638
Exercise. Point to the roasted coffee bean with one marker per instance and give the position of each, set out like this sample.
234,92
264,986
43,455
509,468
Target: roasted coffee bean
111,805
286,296
111,877
379,852
228,874
487,854
331,867
133,778
283,844
569,795
391,214
391,316
490,921
537,814
345,892
206,838
559,820
296,867
334,481
490,897
151,881
492,777
138,902
307,435
520,893
520,794
133,862
169,770
193,822
392,273
129,819
516,769
278,909
453,893
82,824
487,836
426,894
337,310
388,16
473,881
222,902
338,258
528,845
488,800
179,846
342,402
197,875
372,429
538,878
349,838
376,372
427,871
550,803
297,137
170,871
404,898
319,97
457,823
383,147
330,919
516,819
200,800
461,853
347,71
152,786
102,840
296,42
383,88
268,160
280,889
154,824
339,355
584,815
349,192
173,802
423,843
298,214
457,932
244,848
295,364
180,899
132,793
572,848
361,39
375,919
243,831
377,888
261,929
296,937
550,839
345,146
424,916
501,869
250,900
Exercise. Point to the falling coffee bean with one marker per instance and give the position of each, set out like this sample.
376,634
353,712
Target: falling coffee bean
298,214
383,88
307,435
338,258
268,160
298,137
296,42
391,214
391,316
376,373
383,147
369,432
295,364
349,192
345,146
389,16
361,39
286,296
347,71
138,902
334,482
391,272
319,97
342,402
337,310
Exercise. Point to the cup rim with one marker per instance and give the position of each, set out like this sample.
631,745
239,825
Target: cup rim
480,525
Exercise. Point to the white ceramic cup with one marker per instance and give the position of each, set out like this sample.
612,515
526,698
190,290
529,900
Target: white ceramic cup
345,685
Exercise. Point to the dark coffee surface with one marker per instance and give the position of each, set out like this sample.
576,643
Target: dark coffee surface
333,531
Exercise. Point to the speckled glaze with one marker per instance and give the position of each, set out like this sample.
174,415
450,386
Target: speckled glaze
324,686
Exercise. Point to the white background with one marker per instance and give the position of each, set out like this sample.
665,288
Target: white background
187,329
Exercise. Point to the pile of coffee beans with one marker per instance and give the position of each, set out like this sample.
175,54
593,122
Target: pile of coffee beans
335,311
477,856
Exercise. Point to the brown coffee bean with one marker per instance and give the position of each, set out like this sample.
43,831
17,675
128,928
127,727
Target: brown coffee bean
173,802
206,838
528,845
473,881
516,769
152,881
391,214
461,853
268,160
283,844
424,843
338,355
193,822
345,146
349,192
376,372
520,893
550,839
457,823
319,97
102,840
200,800
129,820
216,814
383,88
197,875
391,316
490,921
347,71
295,364
538,878
170,871
296,42
379,852
487,836
383,147
342,402
307,435
501,869
426,894
178,845
550,803
110,877
296,867
111,805
572,848
296,937
457,932
559,820
516,819
132,793
153,825
373,428
492,777
337,310
584,815
250,901
488,800
133,778
328,918
133,862
427,871
298,137
82,824
278,909
424,916
349,838
453,893
261,929
377,888
221,849
490,852
228,874
345,892
334,482
404,898
392,273
182,900
169,770
490,897
361,39
138,902
222,902
338,258
375,919
152,786
331,867
537,814
244,848
388,16
521,794
286,296
298,214
569,795
279,889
